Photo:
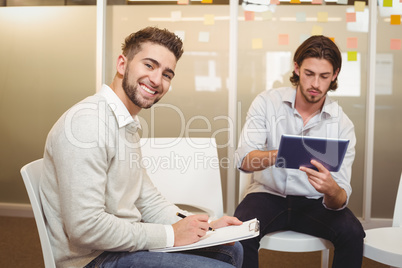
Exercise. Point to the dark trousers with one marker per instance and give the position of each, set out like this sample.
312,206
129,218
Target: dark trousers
303,215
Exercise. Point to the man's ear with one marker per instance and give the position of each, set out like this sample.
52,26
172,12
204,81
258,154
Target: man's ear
121,64
335,74
297,68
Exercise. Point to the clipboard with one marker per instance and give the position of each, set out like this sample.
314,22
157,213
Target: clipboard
296,151
221,236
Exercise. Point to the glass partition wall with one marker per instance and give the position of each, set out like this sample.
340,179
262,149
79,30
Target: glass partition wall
388,109
48,64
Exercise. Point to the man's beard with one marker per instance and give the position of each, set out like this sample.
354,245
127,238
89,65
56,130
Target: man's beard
133,94
309,98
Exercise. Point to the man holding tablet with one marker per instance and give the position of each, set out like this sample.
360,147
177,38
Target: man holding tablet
307,200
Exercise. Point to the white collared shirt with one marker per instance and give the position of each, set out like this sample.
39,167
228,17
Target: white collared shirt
272,114
124,118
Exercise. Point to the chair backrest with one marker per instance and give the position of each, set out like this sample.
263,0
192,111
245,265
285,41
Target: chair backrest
244,180
31,174
397,219
186,171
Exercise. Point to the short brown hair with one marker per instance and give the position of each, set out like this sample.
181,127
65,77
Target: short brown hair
133,42
320,47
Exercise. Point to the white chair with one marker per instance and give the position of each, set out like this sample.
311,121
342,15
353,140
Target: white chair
31,175
186,171
289,241
384,245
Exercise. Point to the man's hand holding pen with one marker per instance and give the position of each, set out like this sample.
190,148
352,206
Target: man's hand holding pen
191,228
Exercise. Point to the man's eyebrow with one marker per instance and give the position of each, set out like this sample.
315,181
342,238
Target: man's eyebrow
310,71
158,64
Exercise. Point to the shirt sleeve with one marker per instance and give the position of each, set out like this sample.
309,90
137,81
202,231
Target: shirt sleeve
254,132
344,175
169,236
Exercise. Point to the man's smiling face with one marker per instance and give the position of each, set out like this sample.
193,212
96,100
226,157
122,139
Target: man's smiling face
148,76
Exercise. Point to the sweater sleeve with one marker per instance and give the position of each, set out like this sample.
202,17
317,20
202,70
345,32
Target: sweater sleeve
97,192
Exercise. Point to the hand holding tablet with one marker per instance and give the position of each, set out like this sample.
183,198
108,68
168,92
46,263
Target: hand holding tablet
296,151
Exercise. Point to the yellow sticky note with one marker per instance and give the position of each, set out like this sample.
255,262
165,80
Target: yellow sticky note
317,30
360,5
283,39
209,19
332,39
322,16
206,1
352,55
249,15
351,42
257,43
395,44
182,2
295,1
395,19
350,16
387,3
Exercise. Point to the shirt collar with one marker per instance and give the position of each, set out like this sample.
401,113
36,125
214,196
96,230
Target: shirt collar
120,111
330,107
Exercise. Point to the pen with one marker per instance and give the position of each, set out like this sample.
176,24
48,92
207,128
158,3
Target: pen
183,216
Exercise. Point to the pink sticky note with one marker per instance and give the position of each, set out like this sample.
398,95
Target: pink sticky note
248,15
351,42
316,2
274,2
350,16
283,39
395,44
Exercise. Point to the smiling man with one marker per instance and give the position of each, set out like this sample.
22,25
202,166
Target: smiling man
305,200
100,209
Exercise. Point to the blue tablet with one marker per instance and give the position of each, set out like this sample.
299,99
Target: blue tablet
296,151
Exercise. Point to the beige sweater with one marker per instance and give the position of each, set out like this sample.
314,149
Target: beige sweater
95,197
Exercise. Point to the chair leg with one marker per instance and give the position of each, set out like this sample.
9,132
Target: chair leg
325,258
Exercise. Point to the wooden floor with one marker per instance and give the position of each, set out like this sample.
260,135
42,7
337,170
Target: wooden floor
20,247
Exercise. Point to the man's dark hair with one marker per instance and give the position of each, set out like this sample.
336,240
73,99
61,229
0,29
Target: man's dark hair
163,37
320,47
